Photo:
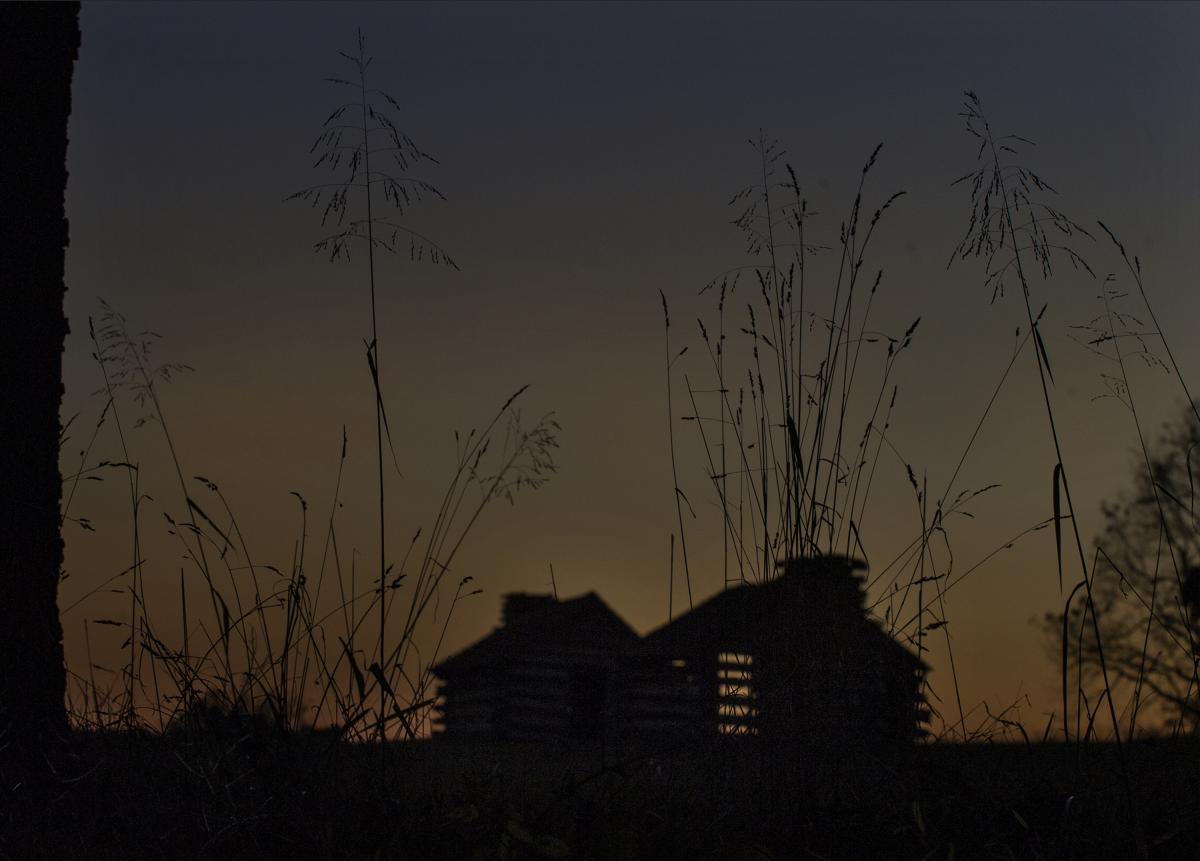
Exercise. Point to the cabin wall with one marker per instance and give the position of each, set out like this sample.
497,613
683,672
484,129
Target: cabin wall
531,698
830,690
663,699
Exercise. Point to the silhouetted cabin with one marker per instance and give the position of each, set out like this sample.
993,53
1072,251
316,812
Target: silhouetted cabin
545,673
796,659
793,660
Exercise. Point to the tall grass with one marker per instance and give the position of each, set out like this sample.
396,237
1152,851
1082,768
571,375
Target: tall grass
794,419
356,121
798,484
1002,190
261,637
1019,232
1146,613
257,638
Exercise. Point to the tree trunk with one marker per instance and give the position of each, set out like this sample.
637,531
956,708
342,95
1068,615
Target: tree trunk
38,46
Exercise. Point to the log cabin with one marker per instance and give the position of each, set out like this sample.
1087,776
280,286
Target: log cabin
546,672
796,659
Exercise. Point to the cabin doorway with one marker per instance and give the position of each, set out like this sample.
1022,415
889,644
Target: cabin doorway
588,697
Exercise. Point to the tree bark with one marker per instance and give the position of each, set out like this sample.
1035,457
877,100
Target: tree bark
39,43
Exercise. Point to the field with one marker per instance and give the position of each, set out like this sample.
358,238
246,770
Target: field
129,796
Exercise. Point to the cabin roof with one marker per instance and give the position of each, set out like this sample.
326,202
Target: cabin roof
583,627
809,599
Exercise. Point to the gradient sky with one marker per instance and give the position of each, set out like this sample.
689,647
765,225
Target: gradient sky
587,155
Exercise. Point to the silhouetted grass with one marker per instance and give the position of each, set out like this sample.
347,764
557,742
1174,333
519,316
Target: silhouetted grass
401,191
264,637
255,638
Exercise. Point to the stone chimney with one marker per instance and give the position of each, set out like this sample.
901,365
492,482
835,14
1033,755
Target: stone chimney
518,605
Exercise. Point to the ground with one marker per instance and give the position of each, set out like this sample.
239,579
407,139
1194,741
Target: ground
267,796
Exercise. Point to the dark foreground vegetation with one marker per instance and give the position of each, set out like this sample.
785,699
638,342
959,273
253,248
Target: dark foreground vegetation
272,796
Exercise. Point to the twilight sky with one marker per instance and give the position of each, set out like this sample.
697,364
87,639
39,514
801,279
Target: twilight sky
587,156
